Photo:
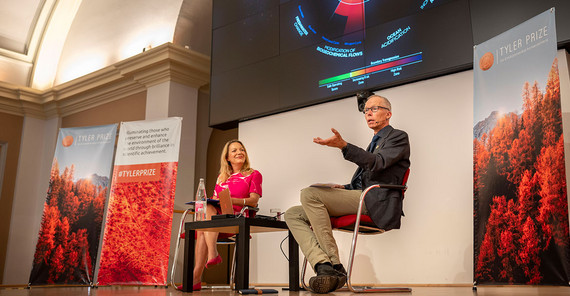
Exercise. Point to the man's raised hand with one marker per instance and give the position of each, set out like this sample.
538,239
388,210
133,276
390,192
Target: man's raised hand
335,141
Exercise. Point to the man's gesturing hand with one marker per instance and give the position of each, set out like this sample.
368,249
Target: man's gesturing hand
335,141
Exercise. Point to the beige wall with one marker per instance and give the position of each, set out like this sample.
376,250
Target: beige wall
130,108
10,133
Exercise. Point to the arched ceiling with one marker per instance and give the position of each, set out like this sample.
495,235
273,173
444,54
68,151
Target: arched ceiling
17,24
44,43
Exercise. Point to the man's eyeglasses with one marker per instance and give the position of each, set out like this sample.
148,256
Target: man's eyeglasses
374,109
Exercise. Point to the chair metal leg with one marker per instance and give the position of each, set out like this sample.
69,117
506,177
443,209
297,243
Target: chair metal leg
353,251
180,229
303,284
233,270
365,289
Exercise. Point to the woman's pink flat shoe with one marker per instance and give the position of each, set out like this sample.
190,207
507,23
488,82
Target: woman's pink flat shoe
195,287
214,261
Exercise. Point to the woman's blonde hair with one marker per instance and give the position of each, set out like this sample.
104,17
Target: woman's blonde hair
225,166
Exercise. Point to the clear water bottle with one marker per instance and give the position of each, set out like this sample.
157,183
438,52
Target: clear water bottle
200,205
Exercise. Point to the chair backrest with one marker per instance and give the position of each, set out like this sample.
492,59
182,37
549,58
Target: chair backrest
405,181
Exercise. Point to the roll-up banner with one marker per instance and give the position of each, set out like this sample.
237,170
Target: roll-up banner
136,239
519,177
68,243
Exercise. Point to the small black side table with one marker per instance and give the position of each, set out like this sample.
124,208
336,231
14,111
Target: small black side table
241,226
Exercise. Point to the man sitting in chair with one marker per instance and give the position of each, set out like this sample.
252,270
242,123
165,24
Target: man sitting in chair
385,161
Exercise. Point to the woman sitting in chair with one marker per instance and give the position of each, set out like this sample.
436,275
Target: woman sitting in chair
244,184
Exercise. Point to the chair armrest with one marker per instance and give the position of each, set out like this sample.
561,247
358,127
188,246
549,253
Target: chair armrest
365,191
387,186
250,208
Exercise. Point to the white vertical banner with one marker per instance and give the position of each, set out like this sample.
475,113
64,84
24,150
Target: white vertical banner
520,199
136,240
68,241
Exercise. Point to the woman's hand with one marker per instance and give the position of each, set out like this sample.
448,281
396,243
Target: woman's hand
251,201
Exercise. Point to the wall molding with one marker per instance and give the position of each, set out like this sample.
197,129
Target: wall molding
167,62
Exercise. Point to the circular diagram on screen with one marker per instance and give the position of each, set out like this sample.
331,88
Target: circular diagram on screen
340,24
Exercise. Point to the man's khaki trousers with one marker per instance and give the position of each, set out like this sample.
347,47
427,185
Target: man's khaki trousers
310,222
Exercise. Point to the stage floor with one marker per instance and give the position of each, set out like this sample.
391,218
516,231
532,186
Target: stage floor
152,291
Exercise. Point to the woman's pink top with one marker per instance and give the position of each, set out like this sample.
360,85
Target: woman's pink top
241,186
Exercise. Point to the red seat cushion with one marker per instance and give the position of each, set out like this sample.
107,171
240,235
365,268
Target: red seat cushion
347,223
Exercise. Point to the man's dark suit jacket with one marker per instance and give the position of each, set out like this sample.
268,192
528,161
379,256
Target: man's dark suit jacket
387,164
